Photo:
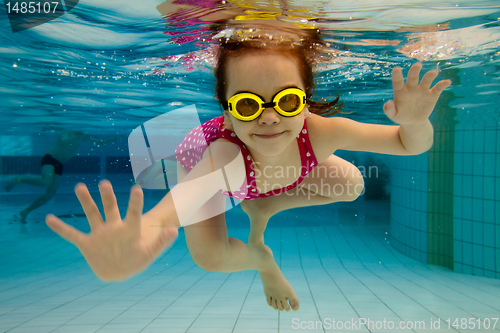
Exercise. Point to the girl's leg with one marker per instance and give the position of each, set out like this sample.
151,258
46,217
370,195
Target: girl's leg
332,180
213,250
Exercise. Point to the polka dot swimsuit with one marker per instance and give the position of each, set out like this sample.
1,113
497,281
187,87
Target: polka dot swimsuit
191,150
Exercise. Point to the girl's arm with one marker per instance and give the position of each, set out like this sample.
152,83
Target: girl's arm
221,168
413,103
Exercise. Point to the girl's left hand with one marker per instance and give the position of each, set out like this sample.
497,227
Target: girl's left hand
413,103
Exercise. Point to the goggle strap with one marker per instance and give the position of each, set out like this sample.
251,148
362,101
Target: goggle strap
268,105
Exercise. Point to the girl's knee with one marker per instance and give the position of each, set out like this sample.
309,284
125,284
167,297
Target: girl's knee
349,189
211,258
358,187
355,185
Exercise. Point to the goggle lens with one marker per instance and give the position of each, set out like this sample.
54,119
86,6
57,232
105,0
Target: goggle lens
289,102
247,107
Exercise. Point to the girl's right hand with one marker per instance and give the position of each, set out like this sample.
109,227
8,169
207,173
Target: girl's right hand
115,249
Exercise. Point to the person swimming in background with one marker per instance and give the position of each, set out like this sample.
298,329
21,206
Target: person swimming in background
52,163
271,121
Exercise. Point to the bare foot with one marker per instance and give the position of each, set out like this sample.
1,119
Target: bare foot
279,293
11,183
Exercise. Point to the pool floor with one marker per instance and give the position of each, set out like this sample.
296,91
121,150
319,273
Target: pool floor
340,272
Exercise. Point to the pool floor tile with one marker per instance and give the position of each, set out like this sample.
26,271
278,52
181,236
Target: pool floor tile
344,274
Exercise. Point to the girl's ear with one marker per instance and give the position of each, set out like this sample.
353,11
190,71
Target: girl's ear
227,121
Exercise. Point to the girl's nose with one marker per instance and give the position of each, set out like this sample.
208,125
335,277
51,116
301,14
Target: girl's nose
268,117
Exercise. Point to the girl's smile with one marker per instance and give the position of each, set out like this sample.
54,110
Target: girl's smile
269,136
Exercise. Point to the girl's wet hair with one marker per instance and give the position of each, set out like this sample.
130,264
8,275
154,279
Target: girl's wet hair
305,52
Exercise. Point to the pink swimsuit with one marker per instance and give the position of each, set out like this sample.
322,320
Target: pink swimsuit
191,150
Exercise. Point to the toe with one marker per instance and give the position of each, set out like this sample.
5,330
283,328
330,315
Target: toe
273,304
286,306
280,305
295,305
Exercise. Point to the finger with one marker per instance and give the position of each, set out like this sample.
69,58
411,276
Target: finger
440,86
89,207
390,109
413,75
398,81
134,211
166,238
428,78
108,198
64,230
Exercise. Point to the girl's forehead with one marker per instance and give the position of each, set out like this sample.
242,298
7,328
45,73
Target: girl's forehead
264,58
262,73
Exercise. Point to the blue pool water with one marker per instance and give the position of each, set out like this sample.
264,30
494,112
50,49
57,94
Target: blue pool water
421,245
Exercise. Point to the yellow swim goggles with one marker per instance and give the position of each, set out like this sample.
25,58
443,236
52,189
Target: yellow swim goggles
247,106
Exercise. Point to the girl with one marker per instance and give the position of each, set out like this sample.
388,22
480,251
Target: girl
272,125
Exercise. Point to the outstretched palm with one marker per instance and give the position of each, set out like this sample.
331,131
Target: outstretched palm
413,103
114,249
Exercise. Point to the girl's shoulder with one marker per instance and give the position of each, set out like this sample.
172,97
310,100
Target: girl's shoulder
225,132
222,152
324,135
318,126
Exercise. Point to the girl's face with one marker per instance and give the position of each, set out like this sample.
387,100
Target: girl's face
264,74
